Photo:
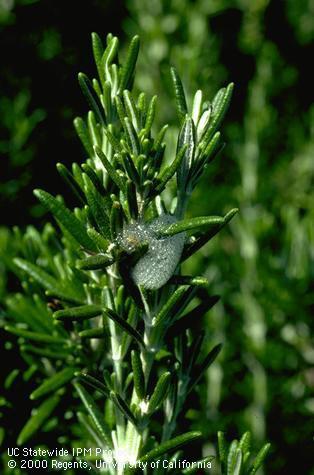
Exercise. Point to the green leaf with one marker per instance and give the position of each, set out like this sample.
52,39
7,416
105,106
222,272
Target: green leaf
125,326
64,296
123,407
92,333
128,68
151,111
169,309
197,107
88,424
53,383
245,442
75,227
132,199
96,184
114,142
116,218
131,136
83,135
138,375
94,129
109,55
29,373
83,312
120,298
210,152
70,180
141,105
186,138
52,354
115,177
124,270
45,280
101,242
168,173
94,412
78,175
232,457
204,238
94,383
95,262
179,94
89,174
211,148
205,463
98,52
220,107
120,109
222,450
198,280
92,98
259,459
210,358
171,445
40,337
201,222
203,122
160,137
130,168
133,317
131,110
192,317
39,416
160,392
9,380
107,101
230,214
235,458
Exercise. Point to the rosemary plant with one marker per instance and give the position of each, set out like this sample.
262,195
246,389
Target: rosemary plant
122,323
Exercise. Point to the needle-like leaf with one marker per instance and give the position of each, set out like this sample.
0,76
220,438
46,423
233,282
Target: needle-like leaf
202,222
123,407
100,261
84,312
37,419
138,375
53,383
93,382
210,358
94,412
171,446
259,459
92,98
178,94
110,169
127,71
40,337
160,392
125,326
66,218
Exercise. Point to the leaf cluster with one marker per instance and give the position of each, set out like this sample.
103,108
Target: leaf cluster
133,354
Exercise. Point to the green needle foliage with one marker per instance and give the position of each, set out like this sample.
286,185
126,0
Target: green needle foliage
106,318
235,458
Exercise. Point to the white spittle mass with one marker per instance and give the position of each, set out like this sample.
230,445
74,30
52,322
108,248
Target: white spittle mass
156,267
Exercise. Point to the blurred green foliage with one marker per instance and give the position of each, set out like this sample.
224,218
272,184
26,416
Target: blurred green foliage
263,268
